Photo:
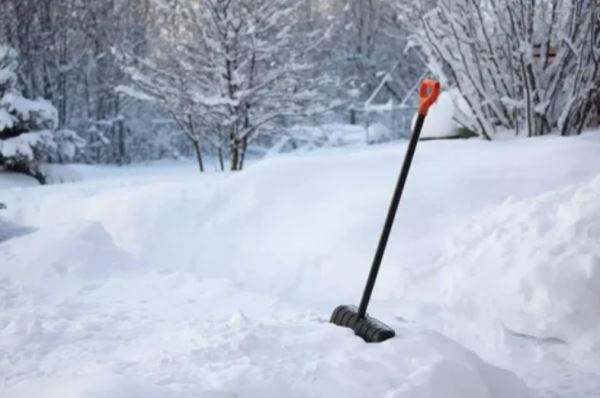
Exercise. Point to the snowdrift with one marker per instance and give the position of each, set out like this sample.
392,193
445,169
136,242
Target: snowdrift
295,233
77,250
532,264
68,308
290,225
286,226
41,269
272,361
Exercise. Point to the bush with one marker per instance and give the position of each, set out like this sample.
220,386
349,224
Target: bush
28,128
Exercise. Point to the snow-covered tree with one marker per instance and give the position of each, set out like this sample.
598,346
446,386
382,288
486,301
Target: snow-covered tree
28,128
368,43
66,49
70,56
229,70
531,66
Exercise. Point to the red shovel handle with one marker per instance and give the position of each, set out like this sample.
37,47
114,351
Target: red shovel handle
428,94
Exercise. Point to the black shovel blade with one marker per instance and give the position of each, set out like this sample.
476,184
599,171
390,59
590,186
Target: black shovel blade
369,329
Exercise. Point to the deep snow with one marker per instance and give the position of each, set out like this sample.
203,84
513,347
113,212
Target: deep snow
81,318
534,264
164,280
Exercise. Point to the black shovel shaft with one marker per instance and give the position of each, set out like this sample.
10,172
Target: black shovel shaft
389,221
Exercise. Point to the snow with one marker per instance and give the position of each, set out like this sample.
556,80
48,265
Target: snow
378,132
65,251
158,281
22,145
7,121
68,143
28,126
133,93
9,230
6,75
442,118
78,303
531,264
93,384
28,109
14,180
59,174
439,121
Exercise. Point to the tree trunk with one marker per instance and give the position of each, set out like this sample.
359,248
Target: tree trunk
199,155
221,160
243,155
62,78
235,155
352,116
598,110
122,147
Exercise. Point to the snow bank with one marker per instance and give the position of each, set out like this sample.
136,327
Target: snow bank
325,361
298,229
78,250
39,270
174,335
274,360
532,264
291,225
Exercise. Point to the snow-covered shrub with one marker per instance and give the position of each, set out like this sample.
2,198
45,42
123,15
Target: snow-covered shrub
28,128
528,66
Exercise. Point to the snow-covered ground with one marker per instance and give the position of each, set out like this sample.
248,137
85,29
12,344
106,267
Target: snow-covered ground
158,282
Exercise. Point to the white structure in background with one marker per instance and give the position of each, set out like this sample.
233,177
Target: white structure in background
449,114
442,120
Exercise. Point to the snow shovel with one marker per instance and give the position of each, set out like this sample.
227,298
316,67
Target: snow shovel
370,329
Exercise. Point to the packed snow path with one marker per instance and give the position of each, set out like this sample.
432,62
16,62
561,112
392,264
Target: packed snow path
163,283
